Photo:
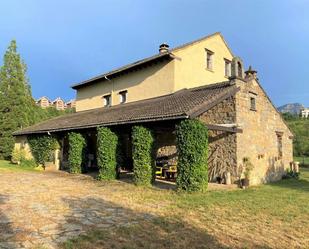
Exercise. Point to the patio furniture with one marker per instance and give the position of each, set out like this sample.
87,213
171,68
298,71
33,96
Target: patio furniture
171,172
159,171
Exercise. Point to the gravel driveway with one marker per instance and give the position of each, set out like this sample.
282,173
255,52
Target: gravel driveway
48,208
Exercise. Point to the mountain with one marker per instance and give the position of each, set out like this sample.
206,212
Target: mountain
293,108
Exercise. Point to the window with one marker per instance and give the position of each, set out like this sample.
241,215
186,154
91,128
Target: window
227,68
252,96
123,97
107,100
252,104
209,59
279,144
239,67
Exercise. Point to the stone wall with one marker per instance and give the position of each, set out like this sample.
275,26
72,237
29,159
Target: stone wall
222,145
259,138
165,143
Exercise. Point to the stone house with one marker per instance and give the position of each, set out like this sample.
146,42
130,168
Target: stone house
198,80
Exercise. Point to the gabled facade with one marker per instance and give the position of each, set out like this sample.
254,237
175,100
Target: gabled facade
199,80
167,72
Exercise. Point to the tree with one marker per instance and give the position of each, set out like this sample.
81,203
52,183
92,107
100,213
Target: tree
17,107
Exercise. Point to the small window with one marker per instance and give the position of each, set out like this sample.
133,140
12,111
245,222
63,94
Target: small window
252,104
123,97
239,67
209,59
279,144
107,100
227,68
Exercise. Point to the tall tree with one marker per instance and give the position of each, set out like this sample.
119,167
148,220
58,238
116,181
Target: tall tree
17,107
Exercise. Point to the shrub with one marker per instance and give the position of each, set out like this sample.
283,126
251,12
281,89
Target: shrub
290,174
76,147
192,147
42,147
107,153
142,145
28,163
18,155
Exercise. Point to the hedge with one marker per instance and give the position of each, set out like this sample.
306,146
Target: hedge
107,144
192,147
76,147
42,148
142,153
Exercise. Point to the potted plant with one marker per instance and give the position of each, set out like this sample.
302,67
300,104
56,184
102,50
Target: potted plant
248,167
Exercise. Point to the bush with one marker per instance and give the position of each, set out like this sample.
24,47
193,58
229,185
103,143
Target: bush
42,147
143,161
290,174
18,155
107,153
76,147
192,147
28,163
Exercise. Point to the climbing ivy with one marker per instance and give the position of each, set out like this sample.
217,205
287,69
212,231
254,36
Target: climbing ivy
192,147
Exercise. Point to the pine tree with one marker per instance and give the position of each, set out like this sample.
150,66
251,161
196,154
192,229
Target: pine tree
17,107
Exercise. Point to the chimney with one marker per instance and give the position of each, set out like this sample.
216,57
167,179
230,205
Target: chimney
250,73
163,48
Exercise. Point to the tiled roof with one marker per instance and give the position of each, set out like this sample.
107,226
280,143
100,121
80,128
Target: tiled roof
186,103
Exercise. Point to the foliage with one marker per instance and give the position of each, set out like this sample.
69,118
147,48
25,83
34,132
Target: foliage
248,167
143,161
28,163
290,174
42,147
192,146
18,155
107,153
300,128
76,147
17,107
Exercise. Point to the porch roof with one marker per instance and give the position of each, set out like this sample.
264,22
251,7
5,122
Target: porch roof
186,103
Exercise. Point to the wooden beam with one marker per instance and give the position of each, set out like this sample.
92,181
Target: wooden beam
224,127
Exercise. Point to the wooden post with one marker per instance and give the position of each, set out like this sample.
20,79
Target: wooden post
296,167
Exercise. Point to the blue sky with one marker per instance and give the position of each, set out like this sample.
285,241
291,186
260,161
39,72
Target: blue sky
65,42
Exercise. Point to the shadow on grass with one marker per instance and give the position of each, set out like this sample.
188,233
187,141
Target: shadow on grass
301,185
111,226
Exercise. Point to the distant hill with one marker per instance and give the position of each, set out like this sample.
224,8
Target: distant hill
293,108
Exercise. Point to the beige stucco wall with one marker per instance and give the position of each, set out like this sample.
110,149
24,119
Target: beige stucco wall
22,143
190,69
187,70
259,140
147,83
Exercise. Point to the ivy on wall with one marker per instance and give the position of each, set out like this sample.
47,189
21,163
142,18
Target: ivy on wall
107,145
42,148
76,147
192,146
143,161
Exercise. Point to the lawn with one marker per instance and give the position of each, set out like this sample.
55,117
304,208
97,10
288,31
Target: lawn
270,216
302,160
6,166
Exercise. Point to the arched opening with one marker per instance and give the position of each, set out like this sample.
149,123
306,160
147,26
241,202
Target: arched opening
239,68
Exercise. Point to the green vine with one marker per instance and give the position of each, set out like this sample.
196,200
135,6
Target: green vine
192,147
42,148
76,147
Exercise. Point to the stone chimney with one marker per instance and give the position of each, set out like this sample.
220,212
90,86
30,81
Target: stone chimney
251,74
163,48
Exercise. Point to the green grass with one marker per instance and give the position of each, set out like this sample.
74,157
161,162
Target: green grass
303,160
6,166
267,216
